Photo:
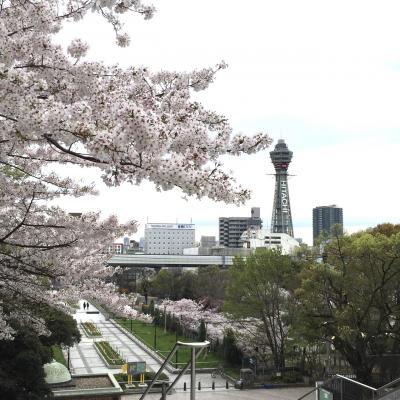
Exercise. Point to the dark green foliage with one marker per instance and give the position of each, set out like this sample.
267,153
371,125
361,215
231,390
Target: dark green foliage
208,284
151,307
351,300
22,359
231,352
21,371
63,328
202,332
260,287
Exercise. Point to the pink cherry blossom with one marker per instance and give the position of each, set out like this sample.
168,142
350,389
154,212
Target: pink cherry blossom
131,124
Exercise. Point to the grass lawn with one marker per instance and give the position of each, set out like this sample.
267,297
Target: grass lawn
165,341
58,354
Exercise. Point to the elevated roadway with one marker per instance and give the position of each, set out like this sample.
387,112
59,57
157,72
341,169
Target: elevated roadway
164,260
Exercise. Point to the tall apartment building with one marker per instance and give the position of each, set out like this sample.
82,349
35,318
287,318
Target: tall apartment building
168,238
324,217
231,228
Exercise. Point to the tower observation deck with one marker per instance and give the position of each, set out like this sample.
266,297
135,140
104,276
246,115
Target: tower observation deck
281,221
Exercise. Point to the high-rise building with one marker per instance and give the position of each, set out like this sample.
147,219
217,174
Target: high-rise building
231,228
324,217
281,221
168,238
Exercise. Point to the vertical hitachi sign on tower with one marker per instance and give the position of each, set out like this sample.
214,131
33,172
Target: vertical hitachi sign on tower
281,221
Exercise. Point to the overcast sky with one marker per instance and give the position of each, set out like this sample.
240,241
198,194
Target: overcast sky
324,76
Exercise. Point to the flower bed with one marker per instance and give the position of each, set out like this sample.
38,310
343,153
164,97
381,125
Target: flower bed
90,329
109,354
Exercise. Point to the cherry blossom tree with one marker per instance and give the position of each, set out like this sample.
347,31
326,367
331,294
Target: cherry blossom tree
131,124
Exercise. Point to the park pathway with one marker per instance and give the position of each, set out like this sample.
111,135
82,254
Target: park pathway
85,360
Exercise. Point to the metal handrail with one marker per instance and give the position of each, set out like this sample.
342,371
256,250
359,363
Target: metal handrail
183,371
311,391
356,382
388,384
375,391
160,370
200,346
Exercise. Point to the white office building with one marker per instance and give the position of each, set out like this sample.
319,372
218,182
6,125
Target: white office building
253,239
168,238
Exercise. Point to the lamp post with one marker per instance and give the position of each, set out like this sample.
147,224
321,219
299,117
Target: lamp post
155,335
68,359
176,354
165,318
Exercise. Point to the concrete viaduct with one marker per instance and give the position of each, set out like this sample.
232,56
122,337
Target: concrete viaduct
164,260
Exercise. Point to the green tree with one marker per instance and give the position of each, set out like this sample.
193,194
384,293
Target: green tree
231,353
22,359
21,368
151,307
202,331
259,287
351,299
164,285
63,328
210,285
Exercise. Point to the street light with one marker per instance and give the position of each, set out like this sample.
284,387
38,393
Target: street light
176,354
155,334
68,359
165,318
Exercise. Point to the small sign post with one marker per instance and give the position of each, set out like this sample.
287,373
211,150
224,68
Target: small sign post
136,367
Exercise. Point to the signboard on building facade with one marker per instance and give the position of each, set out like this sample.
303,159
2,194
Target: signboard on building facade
170,226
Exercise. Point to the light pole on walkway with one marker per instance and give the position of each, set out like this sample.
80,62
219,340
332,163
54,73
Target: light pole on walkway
176,354
165,319
155,335
68,358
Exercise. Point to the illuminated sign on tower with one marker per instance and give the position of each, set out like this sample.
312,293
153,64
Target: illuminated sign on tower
281,215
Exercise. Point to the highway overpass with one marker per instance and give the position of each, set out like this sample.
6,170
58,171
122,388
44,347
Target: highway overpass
164,260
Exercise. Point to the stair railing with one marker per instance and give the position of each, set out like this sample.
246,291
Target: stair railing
197,349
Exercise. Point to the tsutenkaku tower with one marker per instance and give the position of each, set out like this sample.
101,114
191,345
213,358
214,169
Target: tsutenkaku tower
281,221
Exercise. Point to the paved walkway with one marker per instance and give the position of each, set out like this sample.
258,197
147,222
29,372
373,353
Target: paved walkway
231,394
85,360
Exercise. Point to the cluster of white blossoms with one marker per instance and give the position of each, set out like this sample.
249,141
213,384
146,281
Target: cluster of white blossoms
55,108
190,314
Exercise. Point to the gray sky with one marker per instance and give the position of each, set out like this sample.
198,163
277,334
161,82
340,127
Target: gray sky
324,76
